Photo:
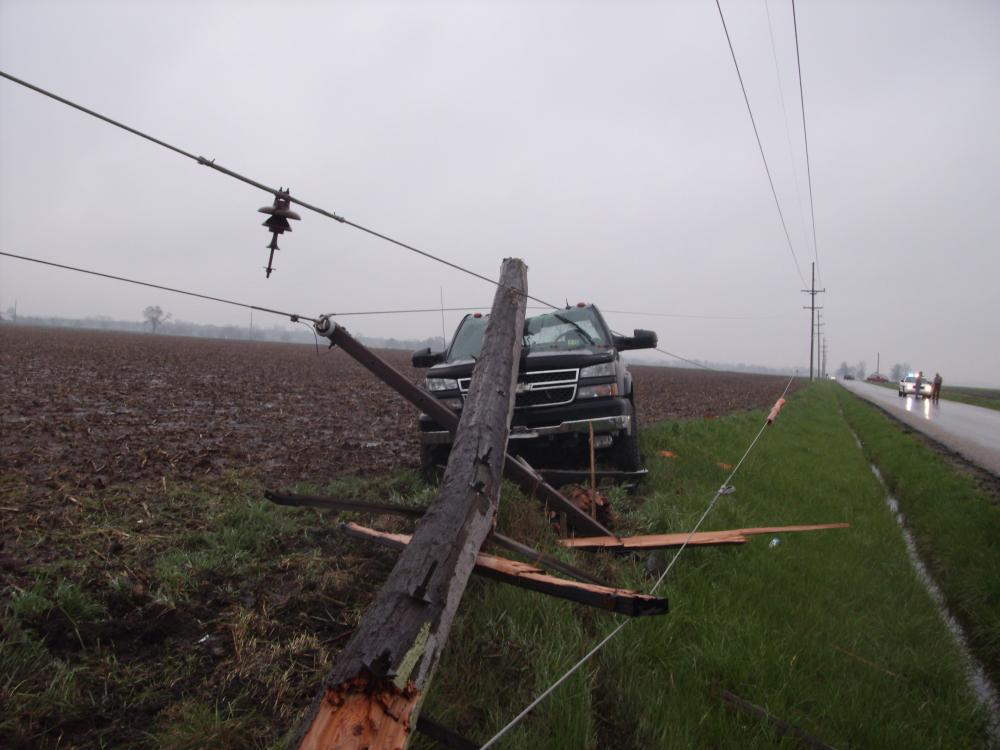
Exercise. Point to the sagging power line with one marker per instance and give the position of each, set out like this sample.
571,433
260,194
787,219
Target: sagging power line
294,317
276,192
760,145
805,137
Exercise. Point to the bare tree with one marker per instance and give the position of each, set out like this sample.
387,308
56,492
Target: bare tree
859,370
155,316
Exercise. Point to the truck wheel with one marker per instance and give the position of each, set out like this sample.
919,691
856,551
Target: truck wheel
626,448
431,457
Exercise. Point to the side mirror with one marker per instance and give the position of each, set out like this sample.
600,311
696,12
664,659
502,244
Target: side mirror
640,339
426,358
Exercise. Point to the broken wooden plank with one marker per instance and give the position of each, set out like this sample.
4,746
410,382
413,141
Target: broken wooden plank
701,538
530,577
364,506
372,696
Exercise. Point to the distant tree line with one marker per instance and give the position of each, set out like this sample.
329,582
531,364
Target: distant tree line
157,321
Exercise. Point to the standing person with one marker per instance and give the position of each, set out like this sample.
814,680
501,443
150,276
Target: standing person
936,393
916,385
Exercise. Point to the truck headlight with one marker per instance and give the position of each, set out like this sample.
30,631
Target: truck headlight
603,370
442,384
598,391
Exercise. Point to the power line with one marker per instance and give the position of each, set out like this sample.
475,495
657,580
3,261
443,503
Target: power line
760,146
784,108
293,316
260,186
621,626
694,317
684,359
329,214
805,137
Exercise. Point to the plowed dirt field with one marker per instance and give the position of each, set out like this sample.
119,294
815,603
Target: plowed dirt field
90,409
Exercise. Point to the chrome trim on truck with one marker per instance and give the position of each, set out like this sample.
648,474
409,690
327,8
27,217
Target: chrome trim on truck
601,425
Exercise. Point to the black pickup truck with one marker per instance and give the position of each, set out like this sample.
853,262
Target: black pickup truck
571,378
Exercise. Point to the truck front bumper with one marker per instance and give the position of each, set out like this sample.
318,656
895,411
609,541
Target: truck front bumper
601,425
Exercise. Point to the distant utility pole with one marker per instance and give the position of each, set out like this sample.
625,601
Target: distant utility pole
812,291
822,369
820,338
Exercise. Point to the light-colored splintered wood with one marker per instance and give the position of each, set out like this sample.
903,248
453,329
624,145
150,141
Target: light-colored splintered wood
358,714
701,538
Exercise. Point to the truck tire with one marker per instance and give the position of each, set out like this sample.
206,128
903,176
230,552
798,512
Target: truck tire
431,458
626,455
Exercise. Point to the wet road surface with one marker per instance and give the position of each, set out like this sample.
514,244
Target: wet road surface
971,431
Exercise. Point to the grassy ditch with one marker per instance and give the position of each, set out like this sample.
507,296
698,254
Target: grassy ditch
829,631
955,522
198,615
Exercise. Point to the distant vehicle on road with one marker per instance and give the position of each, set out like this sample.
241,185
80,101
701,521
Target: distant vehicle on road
848,376
908,387
876,377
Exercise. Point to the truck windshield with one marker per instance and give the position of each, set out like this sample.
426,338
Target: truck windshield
560,330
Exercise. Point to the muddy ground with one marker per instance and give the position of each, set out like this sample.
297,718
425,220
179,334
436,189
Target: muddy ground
151,598
87,408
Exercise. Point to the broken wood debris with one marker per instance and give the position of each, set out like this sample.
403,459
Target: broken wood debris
530,577
364,506
701,538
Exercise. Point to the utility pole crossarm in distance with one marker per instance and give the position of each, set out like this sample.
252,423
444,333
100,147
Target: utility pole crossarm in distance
812,291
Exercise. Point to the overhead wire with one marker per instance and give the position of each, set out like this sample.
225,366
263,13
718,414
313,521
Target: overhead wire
261,186
294,317
330,214
805,137
784,108
760,145
659,581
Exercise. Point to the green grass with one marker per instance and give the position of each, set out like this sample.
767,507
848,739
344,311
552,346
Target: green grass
198,615
955,523
986,397
830,631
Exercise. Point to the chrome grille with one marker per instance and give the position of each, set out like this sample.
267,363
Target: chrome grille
538,388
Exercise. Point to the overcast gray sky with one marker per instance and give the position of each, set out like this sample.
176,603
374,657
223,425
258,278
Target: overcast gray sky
607,144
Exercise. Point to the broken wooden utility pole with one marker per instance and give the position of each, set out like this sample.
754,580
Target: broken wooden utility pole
372,695
530,481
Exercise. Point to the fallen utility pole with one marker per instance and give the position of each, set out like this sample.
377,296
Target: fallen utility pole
372,695
409,511
527,576
530,481
701,538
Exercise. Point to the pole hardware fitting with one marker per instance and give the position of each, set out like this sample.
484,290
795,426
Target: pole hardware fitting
420,592
325,325
277,223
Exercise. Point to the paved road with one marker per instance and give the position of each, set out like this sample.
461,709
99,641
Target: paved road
971,431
